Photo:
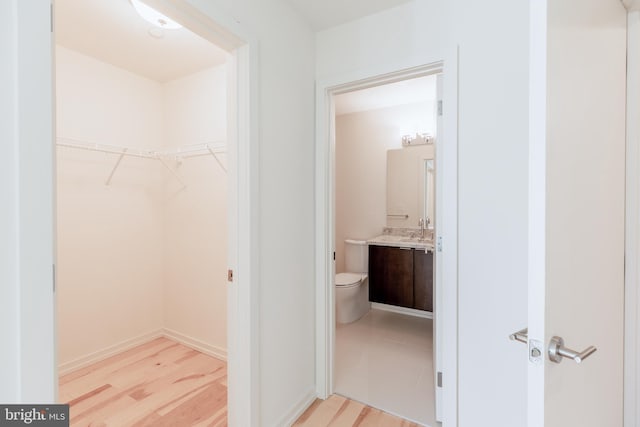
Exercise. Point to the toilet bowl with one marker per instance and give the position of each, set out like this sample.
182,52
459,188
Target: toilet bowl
352,297
352,286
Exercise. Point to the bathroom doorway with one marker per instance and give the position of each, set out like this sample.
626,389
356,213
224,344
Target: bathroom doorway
341,166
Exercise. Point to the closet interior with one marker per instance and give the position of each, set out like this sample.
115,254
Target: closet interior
141,185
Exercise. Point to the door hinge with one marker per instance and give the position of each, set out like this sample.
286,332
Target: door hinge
439,244
53,270
439,379
440,107
51,17
334,256
229,275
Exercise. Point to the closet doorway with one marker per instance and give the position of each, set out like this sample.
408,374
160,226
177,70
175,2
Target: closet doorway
147,214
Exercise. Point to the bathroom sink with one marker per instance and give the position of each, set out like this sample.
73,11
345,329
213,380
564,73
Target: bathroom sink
402,241
417,240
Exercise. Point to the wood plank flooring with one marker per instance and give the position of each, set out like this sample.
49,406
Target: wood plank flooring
166,384
338,411
160,383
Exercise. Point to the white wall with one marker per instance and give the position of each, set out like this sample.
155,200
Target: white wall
110,238
493,202
492,177
286,201
416,32
195,218
362,141
9,277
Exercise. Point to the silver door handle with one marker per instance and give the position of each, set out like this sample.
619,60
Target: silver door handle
520,336
535,347
557,351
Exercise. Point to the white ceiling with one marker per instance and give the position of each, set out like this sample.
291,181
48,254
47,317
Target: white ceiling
422,89
112,31
322,14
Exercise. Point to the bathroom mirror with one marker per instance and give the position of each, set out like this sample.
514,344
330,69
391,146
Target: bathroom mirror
428,195
410,186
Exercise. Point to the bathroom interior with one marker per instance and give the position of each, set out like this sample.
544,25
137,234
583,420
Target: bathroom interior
385,163
141,125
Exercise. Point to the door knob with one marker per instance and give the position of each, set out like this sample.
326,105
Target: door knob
520,336
535,347
557,351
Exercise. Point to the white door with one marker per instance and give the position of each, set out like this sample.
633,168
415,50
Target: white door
576,211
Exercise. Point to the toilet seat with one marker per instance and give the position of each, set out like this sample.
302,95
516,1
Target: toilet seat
347,280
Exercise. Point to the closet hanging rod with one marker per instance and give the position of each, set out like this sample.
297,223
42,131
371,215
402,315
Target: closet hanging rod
182,152
104,148
198,150
187,151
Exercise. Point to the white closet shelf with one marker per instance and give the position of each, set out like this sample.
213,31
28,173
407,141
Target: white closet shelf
184,152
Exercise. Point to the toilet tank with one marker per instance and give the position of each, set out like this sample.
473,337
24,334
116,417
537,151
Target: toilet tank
356,256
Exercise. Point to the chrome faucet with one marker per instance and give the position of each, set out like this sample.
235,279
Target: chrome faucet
423,223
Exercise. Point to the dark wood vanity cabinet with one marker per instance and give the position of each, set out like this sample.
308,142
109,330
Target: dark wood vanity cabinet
401,277
391,275
422,280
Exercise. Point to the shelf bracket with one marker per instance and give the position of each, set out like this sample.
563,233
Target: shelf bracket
113,171
174,173
215,156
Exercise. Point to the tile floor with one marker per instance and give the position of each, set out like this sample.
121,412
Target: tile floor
385,360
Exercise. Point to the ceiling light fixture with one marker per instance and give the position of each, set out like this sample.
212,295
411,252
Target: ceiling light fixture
153,16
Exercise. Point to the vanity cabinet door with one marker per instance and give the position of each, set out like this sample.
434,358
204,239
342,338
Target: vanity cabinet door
391,275
423,280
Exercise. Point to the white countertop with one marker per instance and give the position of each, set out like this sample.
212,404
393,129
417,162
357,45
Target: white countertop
402,242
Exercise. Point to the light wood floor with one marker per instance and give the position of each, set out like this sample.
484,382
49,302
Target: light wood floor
160,383
165,384
338,411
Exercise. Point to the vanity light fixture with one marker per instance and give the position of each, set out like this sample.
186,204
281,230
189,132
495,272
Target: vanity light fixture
408,140
151,15
418,139
426,137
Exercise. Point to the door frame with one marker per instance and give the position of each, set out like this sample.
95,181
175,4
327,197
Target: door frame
632,220
536,237
447,288
243,160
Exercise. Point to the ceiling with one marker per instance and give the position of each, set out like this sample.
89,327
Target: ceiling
322,14
422,89
112,31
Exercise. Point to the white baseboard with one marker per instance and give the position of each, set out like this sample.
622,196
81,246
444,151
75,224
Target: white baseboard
196,344
402,310
298,409
81,362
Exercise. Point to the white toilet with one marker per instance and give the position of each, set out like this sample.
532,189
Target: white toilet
352,287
